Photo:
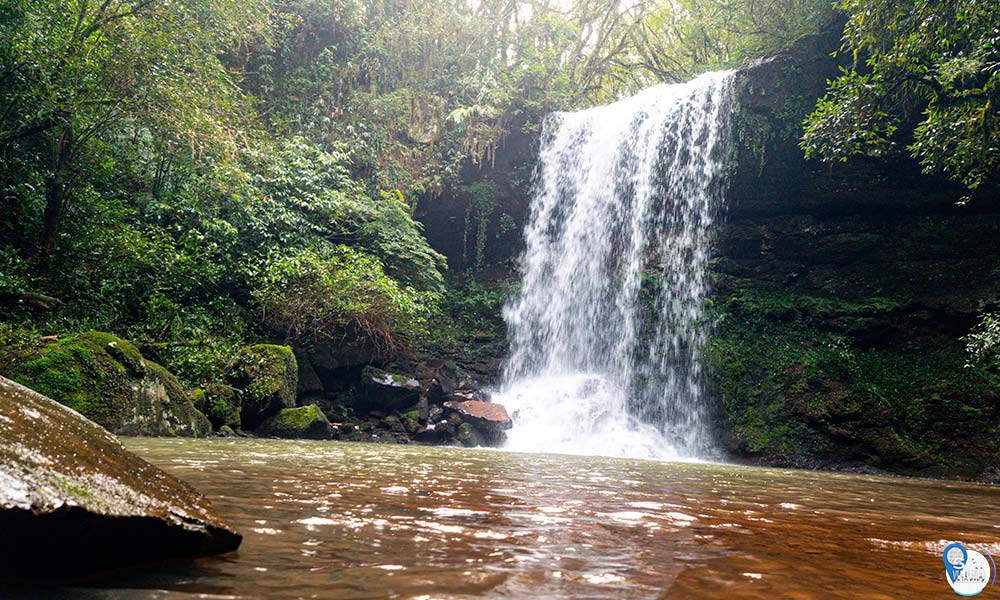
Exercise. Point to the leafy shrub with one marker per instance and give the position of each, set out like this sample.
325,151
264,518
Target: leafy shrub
983,342
303,195
325,293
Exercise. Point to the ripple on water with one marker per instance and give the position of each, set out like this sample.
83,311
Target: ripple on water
335,520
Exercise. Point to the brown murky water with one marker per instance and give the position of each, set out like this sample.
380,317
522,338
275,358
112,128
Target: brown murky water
336,520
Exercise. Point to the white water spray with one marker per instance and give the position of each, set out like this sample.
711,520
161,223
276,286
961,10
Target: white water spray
607,330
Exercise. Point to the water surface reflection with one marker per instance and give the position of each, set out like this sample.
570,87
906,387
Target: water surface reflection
335,520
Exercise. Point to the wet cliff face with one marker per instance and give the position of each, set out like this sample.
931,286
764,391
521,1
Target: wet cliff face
479,224
840,292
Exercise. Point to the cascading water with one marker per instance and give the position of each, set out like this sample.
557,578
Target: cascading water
607,330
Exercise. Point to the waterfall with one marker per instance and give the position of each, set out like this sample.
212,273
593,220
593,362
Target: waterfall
608,327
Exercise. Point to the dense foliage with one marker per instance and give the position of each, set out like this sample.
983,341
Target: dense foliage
925,75
194,175
416,89
315,295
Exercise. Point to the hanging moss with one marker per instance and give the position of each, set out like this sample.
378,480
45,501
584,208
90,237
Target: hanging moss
480,209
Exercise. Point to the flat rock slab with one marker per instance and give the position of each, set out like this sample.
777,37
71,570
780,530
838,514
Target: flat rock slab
484,414
74,500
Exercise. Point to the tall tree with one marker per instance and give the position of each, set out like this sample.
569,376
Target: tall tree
75,72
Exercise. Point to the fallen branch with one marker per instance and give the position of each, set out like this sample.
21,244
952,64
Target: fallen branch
34,299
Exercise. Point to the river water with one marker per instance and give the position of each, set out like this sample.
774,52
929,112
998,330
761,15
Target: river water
339,520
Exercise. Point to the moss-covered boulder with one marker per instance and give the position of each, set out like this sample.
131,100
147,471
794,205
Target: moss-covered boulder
305,422
73,500
163,406
220,403
267,375
106,379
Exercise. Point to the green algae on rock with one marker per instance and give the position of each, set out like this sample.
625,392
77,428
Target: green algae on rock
73,500
267,375
304,422
819,381
220,403
106,379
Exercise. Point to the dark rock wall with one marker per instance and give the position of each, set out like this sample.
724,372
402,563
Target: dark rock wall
841,295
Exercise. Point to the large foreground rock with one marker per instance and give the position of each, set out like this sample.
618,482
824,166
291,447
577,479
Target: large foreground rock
73,500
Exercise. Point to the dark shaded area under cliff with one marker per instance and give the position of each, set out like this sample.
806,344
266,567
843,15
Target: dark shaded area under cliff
842,292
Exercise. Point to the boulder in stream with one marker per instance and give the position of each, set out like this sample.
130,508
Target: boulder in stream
74,500
387,392
482,423
106,379
305,422
267,375
222,404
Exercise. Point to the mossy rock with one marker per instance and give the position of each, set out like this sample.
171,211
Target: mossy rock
469,436
163,403
105,379
411,421
221,404
394,424
74,501
304,422
267,375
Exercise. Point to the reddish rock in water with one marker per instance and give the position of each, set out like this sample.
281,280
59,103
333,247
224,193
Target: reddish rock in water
74,500
483,414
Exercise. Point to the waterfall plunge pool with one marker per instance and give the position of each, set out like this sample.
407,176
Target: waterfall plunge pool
341,520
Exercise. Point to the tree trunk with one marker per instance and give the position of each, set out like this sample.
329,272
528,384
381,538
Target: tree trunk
55,197
56,192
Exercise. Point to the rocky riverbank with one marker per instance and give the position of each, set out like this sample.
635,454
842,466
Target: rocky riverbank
267,392
840,303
